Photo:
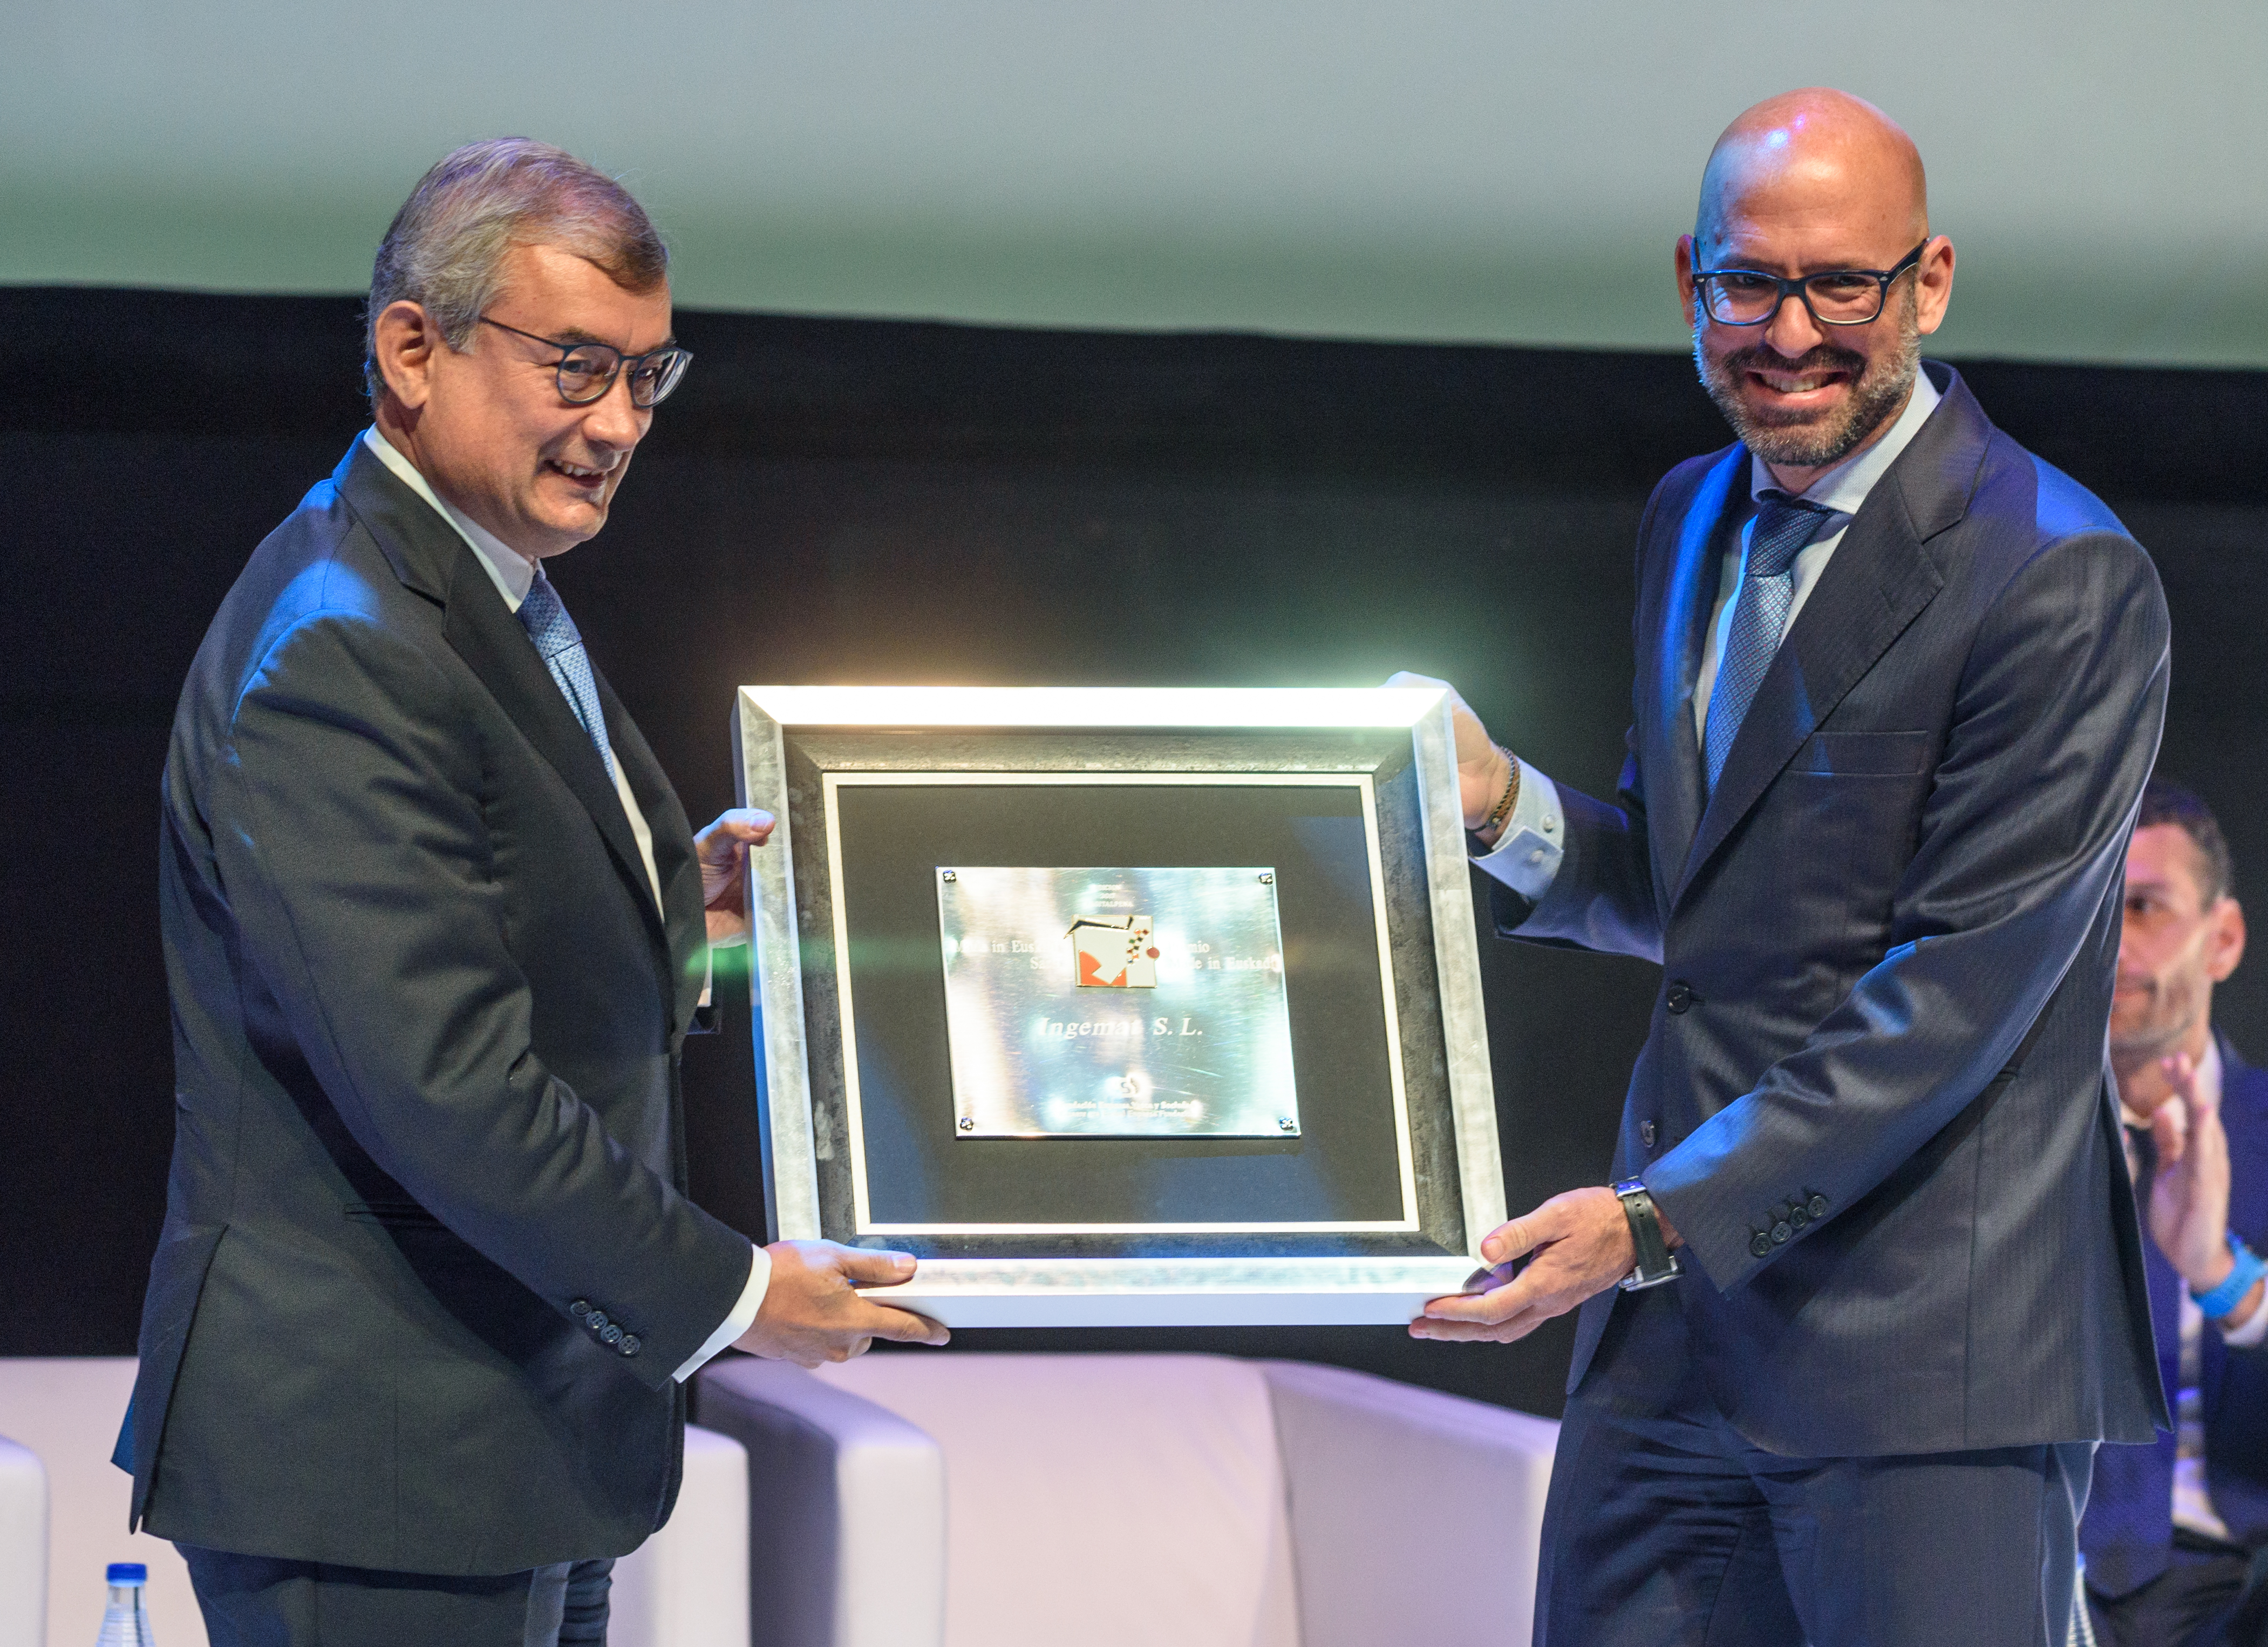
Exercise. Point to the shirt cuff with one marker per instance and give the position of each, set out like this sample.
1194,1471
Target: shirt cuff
2252,1332
708,964
742,1318
1526,855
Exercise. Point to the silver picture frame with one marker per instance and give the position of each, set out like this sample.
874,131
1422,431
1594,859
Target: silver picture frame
801,750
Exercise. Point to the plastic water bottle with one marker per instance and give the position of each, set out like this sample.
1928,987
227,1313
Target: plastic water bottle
124,1623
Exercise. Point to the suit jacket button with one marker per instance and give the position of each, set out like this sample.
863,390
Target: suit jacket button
1817,1206
580,1309
1681,995
1761,1246
611,1335
598,1321
630,1345
1799,1215
1646,1134
1780,1232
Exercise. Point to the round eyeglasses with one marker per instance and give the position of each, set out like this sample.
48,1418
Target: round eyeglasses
1836,297
587,371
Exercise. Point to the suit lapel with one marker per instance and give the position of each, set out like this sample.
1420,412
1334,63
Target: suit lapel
1674,798
1877,582
685,926
420,545
430,557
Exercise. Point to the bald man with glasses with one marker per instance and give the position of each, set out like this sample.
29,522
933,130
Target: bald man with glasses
414,1355
1865,1289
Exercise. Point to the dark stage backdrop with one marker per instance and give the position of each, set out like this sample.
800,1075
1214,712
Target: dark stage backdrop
882,502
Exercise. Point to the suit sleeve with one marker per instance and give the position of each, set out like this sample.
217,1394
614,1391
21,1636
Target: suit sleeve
2022,840
1602,897
2251,1333
355,859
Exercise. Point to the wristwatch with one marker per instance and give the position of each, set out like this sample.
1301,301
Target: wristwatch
1656,1263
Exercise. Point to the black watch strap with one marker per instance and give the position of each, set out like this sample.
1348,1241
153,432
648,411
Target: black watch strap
1656,1263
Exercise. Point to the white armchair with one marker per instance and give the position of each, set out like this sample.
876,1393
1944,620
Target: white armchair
991,1500
23,1547
685,1587
65,1410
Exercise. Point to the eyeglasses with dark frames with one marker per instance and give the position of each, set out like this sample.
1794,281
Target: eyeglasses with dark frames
587,371
1835,297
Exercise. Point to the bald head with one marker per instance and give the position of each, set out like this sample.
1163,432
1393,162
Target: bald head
1813,155
1819,195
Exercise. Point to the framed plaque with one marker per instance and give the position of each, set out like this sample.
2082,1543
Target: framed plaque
1142,1007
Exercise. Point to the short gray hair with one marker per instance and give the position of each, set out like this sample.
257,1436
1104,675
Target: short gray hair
446,247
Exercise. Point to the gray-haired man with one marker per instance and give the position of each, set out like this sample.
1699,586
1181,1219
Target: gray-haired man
429,1289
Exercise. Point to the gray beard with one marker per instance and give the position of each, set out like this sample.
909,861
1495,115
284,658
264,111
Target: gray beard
1875,397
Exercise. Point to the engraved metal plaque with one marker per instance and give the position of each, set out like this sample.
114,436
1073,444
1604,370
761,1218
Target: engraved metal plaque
1135,1003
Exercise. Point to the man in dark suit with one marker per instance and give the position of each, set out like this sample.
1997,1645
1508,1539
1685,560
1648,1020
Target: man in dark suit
413,1357
1899,684
2173,1529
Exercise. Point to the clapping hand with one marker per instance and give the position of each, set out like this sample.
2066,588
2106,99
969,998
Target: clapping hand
2189,1196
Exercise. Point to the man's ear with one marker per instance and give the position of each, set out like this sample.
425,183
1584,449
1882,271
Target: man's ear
405,344
1933,284
2226,946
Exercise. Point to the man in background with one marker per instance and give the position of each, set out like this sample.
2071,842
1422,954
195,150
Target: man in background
1899,684
2173,1529
414,1354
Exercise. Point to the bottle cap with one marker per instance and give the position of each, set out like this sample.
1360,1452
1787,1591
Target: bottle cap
128,1573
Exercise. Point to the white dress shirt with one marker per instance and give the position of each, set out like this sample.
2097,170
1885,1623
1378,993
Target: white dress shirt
1527,855
2193,1502
1840,490
514,575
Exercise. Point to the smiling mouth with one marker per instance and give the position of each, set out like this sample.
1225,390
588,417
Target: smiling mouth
1792,384
589,480
1809,383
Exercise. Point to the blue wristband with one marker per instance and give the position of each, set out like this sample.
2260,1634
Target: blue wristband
2230,1293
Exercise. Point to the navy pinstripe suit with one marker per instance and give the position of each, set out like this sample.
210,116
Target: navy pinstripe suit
1874,1081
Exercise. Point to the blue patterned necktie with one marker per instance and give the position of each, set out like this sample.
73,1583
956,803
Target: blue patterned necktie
1783,524
561,647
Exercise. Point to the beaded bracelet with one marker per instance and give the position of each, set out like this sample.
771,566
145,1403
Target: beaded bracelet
1502,809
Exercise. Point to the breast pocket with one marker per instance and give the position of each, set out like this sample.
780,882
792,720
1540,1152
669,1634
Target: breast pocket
1845,818
1864,755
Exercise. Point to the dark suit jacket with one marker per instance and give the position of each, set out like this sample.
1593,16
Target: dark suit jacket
1874,1077
427,1021
2129,1530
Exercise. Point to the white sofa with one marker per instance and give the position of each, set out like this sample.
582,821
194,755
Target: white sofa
996,1500
66,1411
685,1587
23,1547
902,1501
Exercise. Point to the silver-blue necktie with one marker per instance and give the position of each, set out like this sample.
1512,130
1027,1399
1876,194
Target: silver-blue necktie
561,645
1783,524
